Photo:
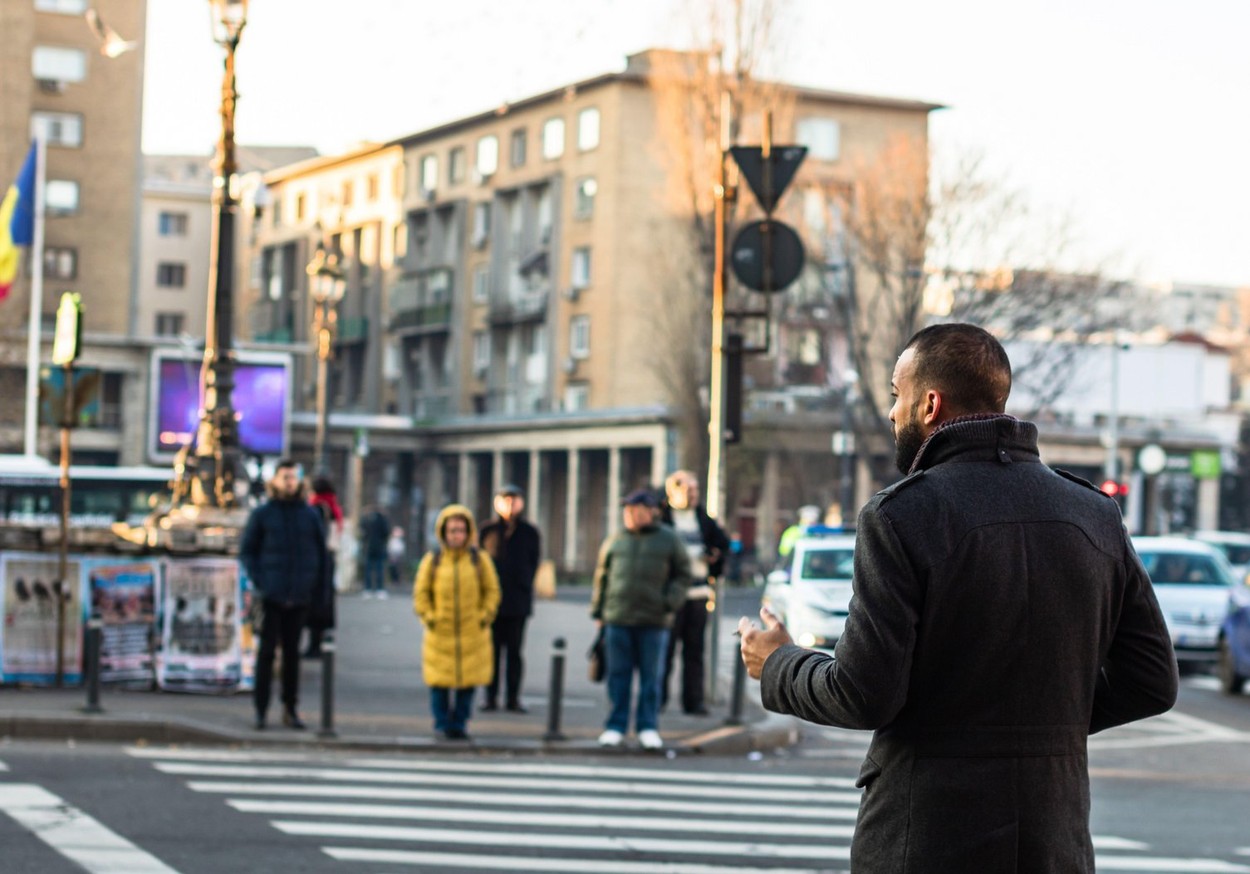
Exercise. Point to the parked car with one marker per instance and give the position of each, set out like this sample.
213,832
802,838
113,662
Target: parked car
1234,648
812,593
1236,548
1193,581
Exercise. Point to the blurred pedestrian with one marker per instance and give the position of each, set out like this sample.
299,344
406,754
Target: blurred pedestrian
396,552
283,549
809,514
456,594
706,544
516,548
321,615
1000,617
375,531
640,580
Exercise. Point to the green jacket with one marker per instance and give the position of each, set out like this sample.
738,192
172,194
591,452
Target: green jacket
641,578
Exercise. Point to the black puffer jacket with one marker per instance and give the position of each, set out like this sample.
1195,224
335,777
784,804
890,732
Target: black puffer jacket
1000,616
283,550
516,554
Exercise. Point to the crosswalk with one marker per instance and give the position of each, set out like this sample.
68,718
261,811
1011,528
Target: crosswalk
508,815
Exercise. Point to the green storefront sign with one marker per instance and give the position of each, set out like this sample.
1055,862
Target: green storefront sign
1205,464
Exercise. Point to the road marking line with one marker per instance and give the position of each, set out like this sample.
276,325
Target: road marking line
1170,866
624,787
596,822
446,796
606,843
1108,842
441,861
75,835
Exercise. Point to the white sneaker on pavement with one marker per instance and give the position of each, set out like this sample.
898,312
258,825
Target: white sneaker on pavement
382,595
611,738
650,739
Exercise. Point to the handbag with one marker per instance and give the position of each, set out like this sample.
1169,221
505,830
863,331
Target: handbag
598,660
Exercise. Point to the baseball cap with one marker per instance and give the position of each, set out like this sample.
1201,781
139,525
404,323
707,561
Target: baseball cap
509,490
643,497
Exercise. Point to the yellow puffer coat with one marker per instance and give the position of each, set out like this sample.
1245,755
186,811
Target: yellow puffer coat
456,601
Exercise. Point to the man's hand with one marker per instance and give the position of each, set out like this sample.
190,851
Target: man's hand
759,643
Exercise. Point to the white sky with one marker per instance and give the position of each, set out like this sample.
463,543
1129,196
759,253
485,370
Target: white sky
1132,116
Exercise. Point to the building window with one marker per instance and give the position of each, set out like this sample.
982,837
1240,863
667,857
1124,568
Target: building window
62,129
588,129
579,336
481,224
300,204
347,192
60,262
429,173
371,187
171,275
579,272
576,397
584,197
516,147
553,138
60,197
481,283
481,351
456,165
66,7
169,324
59,65
487,156
821,136
172,224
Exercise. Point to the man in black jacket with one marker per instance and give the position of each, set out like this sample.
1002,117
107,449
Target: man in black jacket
516,548
1000,617
283,549
706,544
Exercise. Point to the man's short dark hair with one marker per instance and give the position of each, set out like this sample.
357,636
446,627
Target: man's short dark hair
284,463
966,364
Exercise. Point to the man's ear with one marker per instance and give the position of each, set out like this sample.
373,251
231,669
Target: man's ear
932,412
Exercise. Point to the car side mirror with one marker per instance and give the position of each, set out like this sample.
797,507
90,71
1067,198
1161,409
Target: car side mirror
779,576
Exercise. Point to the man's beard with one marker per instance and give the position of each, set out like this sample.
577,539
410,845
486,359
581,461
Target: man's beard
907,443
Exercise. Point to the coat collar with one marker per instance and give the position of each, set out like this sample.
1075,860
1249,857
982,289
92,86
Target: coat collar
981,437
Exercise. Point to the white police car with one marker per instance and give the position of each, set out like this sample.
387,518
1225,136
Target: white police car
812,594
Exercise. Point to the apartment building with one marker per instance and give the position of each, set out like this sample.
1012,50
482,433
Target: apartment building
506,275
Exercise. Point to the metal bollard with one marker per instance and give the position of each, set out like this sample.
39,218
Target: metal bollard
91,659
740,688
555,694
327,687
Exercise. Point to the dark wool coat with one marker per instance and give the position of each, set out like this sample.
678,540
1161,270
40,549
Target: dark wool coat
516,554
283,549
1000,617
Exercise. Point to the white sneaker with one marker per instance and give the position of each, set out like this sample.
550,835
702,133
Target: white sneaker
382,595
650,739
611,738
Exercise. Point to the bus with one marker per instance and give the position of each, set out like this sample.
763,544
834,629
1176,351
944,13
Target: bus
30,493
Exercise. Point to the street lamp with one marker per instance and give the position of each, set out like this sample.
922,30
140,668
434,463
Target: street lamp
217,458
326,284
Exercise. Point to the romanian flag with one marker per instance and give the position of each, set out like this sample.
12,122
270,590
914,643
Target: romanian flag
17,221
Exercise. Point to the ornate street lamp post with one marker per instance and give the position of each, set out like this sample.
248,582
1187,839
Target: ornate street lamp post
326,284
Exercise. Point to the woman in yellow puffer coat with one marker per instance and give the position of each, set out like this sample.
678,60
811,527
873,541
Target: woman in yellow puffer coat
456,594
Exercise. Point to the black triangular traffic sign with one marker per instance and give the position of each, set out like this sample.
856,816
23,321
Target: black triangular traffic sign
783,161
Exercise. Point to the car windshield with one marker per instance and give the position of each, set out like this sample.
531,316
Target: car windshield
1234,552
823,564
1181,568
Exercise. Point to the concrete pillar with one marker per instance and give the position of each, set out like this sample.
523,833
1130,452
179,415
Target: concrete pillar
658,468
496,472
766,512
1209,504
572,497
533,505
614,489
466,471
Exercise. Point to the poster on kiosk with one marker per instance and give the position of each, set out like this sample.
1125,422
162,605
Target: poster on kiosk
28,637
200,629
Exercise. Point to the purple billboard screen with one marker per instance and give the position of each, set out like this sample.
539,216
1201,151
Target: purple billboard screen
259,401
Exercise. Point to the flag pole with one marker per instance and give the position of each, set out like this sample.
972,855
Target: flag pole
34,330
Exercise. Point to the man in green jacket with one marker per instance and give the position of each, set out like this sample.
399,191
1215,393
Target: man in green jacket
640,581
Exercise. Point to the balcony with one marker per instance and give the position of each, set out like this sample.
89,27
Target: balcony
275,335
420,302
352,330
519,309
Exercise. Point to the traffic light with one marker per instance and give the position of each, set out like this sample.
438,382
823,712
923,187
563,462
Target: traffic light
1114,489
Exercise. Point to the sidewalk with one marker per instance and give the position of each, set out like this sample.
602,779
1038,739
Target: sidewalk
380,701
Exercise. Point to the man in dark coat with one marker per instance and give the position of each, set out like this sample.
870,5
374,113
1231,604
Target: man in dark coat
516,548
283,549
1000,616
706,544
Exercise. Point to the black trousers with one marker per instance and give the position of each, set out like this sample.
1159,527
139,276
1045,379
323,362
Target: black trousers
282,624
689,631
508,633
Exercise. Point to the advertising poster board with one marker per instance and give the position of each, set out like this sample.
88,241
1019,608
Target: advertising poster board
200,626
28,639
123,592
249,638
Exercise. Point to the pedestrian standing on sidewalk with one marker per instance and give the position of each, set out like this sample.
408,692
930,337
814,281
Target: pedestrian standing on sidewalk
515,547
283,550
706,545
456,594
321,614
640,580
396,552
1000,617
375,530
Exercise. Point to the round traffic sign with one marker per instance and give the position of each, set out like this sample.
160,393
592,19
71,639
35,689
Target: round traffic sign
766,256
1152,459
